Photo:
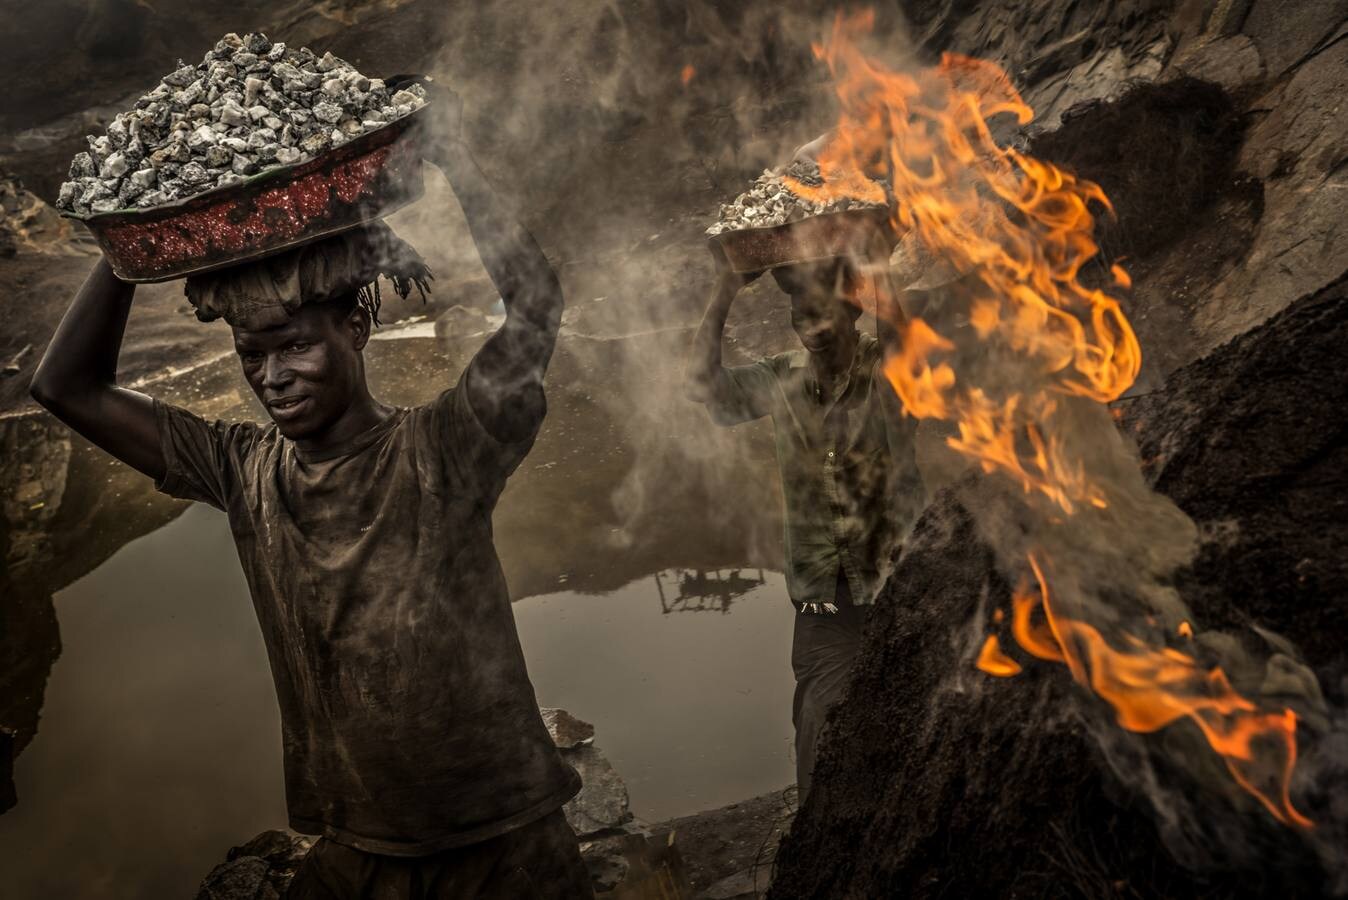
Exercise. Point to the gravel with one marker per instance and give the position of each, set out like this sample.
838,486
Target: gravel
770,202
249,106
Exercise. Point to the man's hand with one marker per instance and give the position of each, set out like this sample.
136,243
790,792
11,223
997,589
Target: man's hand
441,128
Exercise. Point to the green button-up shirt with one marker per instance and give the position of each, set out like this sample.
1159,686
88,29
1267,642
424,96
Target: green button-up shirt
849,477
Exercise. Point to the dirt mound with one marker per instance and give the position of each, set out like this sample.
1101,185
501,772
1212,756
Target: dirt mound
938,781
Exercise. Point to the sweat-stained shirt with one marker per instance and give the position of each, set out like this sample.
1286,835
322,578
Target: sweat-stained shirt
409,724
849,478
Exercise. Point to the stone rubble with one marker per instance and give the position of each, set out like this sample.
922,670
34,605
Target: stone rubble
250,105
769,202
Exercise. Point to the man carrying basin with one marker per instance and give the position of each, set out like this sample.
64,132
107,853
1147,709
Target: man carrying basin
412,740
844,447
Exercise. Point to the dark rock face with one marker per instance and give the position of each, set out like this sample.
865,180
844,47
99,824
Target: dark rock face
936,780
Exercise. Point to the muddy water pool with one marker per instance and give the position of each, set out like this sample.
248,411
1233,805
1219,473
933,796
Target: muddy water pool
158,744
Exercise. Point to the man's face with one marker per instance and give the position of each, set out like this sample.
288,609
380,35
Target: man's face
821,314
307,370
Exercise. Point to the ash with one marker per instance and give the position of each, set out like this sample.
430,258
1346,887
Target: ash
770,202
247,107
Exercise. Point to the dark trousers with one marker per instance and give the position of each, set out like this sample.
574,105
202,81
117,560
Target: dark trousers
538,861
823,649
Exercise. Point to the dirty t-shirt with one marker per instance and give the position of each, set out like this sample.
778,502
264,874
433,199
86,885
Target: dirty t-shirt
409,724
850,481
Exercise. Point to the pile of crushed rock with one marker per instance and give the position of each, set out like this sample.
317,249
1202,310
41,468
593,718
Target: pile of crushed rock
248,106
769,201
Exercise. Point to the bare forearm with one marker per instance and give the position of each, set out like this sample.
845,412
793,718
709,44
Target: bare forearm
77,378
704,362
83,352
507,373
511,256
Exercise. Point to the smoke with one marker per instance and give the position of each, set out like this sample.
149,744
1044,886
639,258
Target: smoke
616,130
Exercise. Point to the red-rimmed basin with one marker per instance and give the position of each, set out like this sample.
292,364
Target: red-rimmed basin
365,179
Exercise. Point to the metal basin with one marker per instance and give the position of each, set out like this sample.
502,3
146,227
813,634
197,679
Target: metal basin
849,233
364,179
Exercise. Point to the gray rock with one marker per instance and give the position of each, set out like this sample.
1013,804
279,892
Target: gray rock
82,166
182,76
218,156
228,44
177,152
257,112
327,112
328,63
566,730
189,95
114,166
287,155
202,138
128,192
236,144
117,132
602,802
232,114
194,173
243,164
145,178
252,89
315,143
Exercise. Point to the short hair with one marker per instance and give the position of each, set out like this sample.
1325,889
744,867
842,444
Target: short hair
364,300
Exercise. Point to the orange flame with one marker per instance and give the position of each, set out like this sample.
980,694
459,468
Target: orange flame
1023,225
1021,230
992,660
687,74
1151,688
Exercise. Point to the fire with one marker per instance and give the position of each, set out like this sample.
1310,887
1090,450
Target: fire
687,74
1021,231
1151,688
992,660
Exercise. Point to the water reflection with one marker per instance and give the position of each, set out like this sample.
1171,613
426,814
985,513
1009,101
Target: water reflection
699,591
159,744
694,711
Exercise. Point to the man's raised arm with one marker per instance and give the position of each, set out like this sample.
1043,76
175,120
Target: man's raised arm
77,378
505,378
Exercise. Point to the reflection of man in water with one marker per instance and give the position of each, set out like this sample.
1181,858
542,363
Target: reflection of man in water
845,454
412,740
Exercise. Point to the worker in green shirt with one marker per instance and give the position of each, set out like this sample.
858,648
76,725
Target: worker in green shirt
845,452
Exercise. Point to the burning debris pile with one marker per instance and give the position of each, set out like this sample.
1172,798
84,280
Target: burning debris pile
1054,555
943,781
775,198
248,106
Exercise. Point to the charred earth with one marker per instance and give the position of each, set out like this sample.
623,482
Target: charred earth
939,781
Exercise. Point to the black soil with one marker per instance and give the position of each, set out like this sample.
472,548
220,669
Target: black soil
936,781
